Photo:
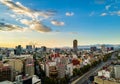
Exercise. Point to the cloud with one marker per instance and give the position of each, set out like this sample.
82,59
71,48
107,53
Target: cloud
39,27
36,25
107,7
57,23
20,9
103,14
69,14
118,13
13,16
9,27
26,22
31,17
114,13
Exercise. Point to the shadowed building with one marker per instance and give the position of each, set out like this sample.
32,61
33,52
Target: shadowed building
5,72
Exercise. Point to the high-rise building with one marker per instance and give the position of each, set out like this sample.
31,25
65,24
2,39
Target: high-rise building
43,48
117,71
93,48
29,47
18,50
75,45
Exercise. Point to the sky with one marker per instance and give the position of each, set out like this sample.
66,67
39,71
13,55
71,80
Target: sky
56,23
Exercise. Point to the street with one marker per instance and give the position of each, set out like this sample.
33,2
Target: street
84,79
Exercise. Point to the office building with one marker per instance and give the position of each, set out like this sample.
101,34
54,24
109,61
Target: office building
93,48
43,49
29,47
18,50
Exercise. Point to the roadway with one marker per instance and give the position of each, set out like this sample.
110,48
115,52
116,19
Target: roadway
84,79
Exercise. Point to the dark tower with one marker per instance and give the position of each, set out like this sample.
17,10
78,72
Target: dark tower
75,45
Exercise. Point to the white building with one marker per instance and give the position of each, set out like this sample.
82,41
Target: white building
36,80
69,69
86,62
100,73
105,73
47,67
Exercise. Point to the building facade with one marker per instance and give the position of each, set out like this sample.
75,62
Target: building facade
75,45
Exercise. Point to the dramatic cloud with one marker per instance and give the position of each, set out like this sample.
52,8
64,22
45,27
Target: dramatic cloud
69,14
23,12
36,25
9,27
39,27
57,23
26,22
20,9
103,14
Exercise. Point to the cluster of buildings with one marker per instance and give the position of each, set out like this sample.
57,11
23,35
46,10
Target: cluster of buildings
109,74
19,70
17,65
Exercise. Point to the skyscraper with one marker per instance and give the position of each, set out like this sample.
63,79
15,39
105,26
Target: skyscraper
18,50
29,47
75,45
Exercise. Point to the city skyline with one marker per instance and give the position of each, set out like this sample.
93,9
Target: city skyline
57,23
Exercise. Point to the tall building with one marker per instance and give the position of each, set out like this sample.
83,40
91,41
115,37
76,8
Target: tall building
93,48
29,47
43,48
117,71
18,50
75,45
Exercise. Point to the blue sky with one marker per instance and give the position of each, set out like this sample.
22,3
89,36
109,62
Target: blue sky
56,23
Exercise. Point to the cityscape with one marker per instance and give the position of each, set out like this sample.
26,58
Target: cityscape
59,42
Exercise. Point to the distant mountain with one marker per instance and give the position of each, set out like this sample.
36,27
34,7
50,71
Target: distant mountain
99,46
